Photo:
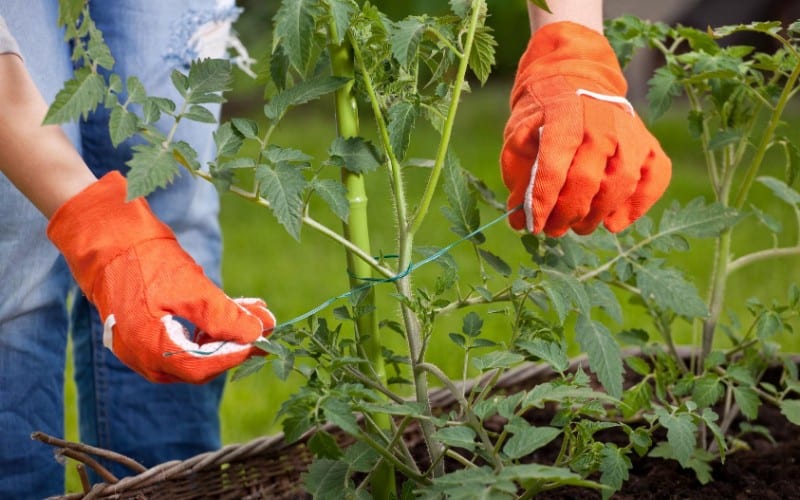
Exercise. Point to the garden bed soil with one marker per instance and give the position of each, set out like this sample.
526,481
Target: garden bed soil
766,471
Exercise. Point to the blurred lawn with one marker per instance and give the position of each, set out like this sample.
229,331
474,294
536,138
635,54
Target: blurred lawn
261,259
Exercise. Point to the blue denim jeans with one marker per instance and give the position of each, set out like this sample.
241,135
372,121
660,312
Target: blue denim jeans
117,408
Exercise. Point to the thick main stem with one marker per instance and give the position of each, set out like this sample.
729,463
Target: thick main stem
356,230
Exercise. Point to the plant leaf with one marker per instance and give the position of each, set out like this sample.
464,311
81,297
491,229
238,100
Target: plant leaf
462,211
283,186
334,193
565,291
199,114
151,167
748,401
457,437
342,14
405,38
80,95
294,25
248,367
605,356
680,435
790,408
121,124
550,352
402,118
664,86
338,412
355,154
497,359
668,288
614,466
497,263
525,440
326,479
482,56
208,78
707,391
305,91
781,190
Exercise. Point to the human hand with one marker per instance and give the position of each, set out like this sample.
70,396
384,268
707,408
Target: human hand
132,268
575,153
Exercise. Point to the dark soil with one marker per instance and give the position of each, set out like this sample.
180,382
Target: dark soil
765,471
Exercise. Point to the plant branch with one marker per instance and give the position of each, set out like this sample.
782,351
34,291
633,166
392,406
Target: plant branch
754,257
472,420
447,129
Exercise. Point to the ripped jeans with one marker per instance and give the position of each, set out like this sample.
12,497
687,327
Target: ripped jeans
117,408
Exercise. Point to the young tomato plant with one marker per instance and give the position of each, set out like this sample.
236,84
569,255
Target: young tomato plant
401,73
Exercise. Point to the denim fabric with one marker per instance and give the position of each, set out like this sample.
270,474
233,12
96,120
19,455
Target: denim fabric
118,409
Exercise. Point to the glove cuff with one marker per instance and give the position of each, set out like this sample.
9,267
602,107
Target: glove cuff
98,224
570,50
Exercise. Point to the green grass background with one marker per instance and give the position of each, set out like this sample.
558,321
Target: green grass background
261,259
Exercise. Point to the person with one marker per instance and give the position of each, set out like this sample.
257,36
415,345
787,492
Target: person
126,260
575,155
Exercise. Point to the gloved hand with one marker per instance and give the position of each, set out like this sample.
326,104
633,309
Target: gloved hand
575,154
132,268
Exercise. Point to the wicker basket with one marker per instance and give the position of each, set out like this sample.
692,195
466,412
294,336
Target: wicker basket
267,467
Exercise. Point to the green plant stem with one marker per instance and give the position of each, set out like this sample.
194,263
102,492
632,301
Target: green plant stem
447,129
472,420
768,254
718,284
766,139
356,230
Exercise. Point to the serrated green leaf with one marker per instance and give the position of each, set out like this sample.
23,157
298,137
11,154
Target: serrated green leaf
565,291
405,39
496,262
668,288
151,167
748,401
361,457
605,355
185,154
338,412
680,435
355,154
323,445
136,91
614,466
696,220
790,408
526,440
226,140
305,91
69,11
636,398
482,56
552,353
457,437
768,324
341,13
472,324
294,26
462,211
458,339
664,85
710,419
497,359
199,114
248,367
246,127
79,96
707,391
207,79
282,366
460,7
180,82
121,124
334,194
781,190
283,187
326,479
275,155
402,117
638,365
602,296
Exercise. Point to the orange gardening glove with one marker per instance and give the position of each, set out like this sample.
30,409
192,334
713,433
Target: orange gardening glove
132,268
575,154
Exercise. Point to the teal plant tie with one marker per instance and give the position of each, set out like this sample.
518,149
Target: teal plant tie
370,281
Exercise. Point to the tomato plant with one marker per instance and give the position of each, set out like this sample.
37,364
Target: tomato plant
569,290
